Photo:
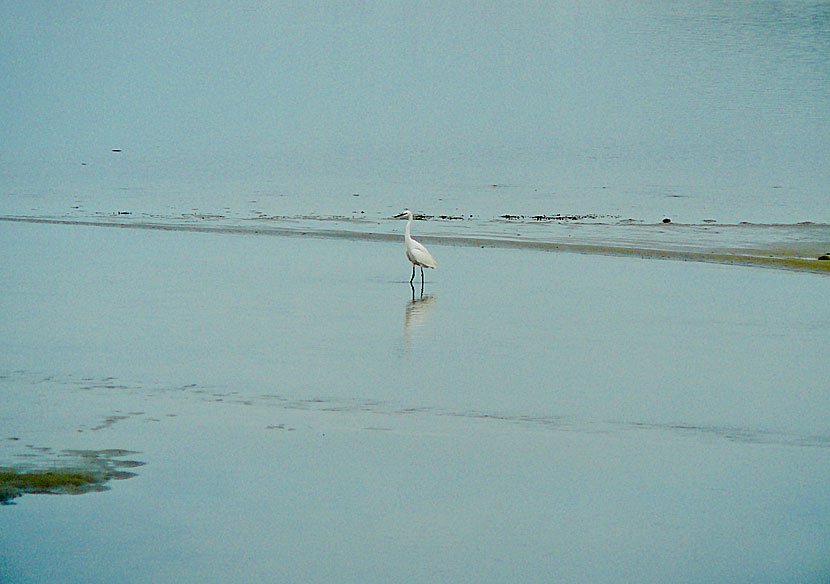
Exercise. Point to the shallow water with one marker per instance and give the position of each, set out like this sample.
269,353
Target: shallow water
547,416
280,303
302,414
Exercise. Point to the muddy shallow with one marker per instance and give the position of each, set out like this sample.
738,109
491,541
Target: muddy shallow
534,416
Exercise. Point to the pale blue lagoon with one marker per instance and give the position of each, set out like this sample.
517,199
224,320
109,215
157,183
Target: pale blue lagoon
201,273
694,111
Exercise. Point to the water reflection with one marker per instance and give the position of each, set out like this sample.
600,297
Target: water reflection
416,315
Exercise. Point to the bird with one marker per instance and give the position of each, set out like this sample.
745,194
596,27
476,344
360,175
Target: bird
416,252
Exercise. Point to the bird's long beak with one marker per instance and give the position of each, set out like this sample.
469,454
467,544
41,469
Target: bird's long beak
399,216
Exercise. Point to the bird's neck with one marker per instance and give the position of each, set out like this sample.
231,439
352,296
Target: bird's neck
408,225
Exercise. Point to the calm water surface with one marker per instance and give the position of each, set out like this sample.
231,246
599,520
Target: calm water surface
695,110
534,416
554,416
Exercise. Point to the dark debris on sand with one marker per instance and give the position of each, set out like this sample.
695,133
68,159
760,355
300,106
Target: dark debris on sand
554,217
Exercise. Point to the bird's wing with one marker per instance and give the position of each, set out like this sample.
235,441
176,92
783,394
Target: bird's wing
421,256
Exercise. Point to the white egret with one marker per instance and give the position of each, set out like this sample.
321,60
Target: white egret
415,252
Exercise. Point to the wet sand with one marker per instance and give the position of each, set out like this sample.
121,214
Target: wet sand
302,415
800,247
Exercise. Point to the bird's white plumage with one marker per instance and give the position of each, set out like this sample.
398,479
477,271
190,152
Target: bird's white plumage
415,251
419,255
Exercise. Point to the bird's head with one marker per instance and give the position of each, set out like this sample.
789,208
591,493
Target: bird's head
406,214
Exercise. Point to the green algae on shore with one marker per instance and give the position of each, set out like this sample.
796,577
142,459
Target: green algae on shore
90,472
15,483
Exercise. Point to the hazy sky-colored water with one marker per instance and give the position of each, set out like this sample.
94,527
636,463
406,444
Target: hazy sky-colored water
537,416
665,417
703,110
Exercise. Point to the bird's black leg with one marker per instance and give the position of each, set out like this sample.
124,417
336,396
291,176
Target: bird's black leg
413,274
422,276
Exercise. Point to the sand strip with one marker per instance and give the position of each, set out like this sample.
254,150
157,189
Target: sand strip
795,257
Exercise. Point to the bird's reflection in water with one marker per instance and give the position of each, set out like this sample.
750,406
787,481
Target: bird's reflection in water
417,310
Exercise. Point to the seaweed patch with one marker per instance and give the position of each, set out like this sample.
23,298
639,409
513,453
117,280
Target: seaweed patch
88,471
